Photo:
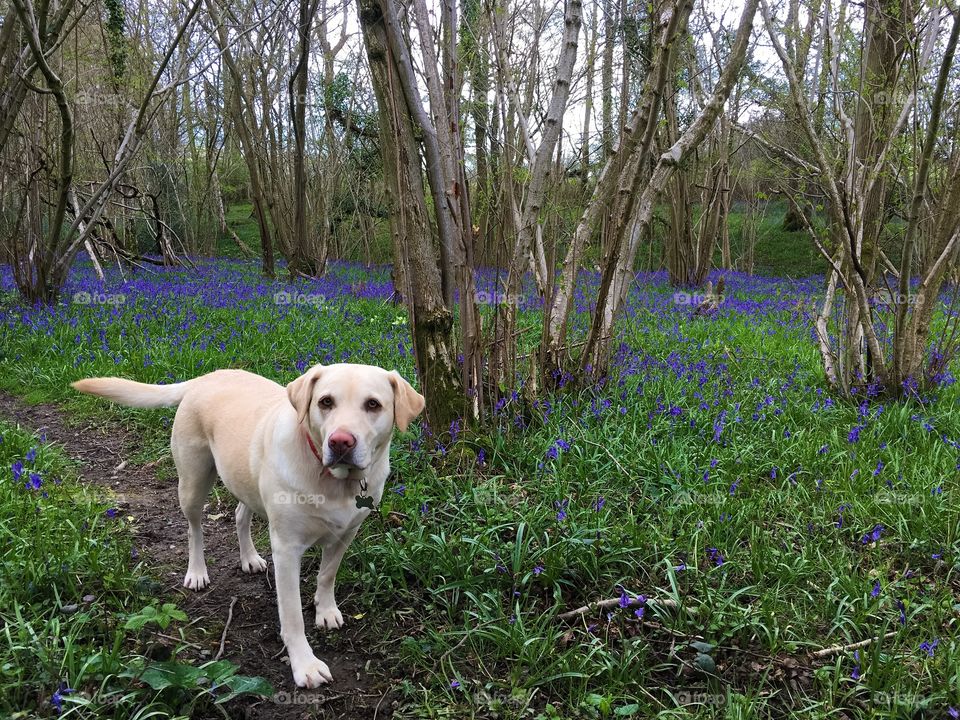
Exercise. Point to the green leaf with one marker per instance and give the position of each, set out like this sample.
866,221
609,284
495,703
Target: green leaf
706,663
625,710
219,670
246,685
702,647
171,674
174,612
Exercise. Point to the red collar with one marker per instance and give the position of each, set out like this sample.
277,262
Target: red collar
313,448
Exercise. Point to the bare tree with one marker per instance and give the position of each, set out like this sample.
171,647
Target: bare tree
636,212
528,247
429,285
307,257
616,181
42,259
886,99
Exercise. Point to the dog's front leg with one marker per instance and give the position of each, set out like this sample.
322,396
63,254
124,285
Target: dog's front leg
328,614
308,670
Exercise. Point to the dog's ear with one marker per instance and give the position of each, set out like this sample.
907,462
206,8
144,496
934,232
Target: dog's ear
301,390
407,402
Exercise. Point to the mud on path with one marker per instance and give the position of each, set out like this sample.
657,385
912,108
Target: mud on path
363,686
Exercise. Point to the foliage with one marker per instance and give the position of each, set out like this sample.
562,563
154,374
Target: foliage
712,469
69,577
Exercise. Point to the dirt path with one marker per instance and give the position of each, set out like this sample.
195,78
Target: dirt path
363,684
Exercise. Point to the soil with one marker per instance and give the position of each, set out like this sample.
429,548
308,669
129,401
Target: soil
363,687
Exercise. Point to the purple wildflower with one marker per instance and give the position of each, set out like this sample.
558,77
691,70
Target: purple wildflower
873,535
57,699
930,647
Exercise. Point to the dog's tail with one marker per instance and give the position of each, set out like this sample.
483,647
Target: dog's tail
134,394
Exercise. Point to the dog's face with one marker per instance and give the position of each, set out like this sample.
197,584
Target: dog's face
350,410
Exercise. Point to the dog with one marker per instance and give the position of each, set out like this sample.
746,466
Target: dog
311,458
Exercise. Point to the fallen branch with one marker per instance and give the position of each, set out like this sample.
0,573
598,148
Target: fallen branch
223,638
244,248
611,602
180,640
837,649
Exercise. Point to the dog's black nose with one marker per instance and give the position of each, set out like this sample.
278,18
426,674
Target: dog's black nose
341,443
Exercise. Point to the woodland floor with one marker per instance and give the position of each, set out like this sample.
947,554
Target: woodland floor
362,674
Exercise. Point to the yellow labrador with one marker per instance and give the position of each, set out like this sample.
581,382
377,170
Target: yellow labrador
298,456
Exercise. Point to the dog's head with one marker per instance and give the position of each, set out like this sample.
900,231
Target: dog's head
350,410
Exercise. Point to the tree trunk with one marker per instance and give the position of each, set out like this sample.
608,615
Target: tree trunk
614,184
306,258
609,304
431,322
606,75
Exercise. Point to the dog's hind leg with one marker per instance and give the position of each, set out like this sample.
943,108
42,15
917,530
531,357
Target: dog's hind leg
250,560
197,473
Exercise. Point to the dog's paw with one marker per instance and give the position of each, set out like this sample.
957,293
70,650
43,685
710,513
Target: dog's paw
253,564
310,673
195,580
329,617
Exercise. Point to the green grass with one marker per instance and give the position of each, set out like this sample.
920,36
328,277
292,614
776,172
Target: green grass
488,539
777,251
73,624
240,220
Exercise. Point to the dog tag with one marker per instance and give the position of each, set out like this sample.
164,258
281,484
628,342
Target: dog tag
364,501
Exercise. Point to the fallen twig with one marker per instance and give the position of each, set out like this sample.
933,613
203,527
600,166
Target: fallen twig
611,602
376,710
223,638
837,649
180,640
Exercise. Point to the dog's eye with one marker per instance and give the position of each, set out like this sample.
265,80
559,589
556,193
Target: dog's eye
326,402
373,404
